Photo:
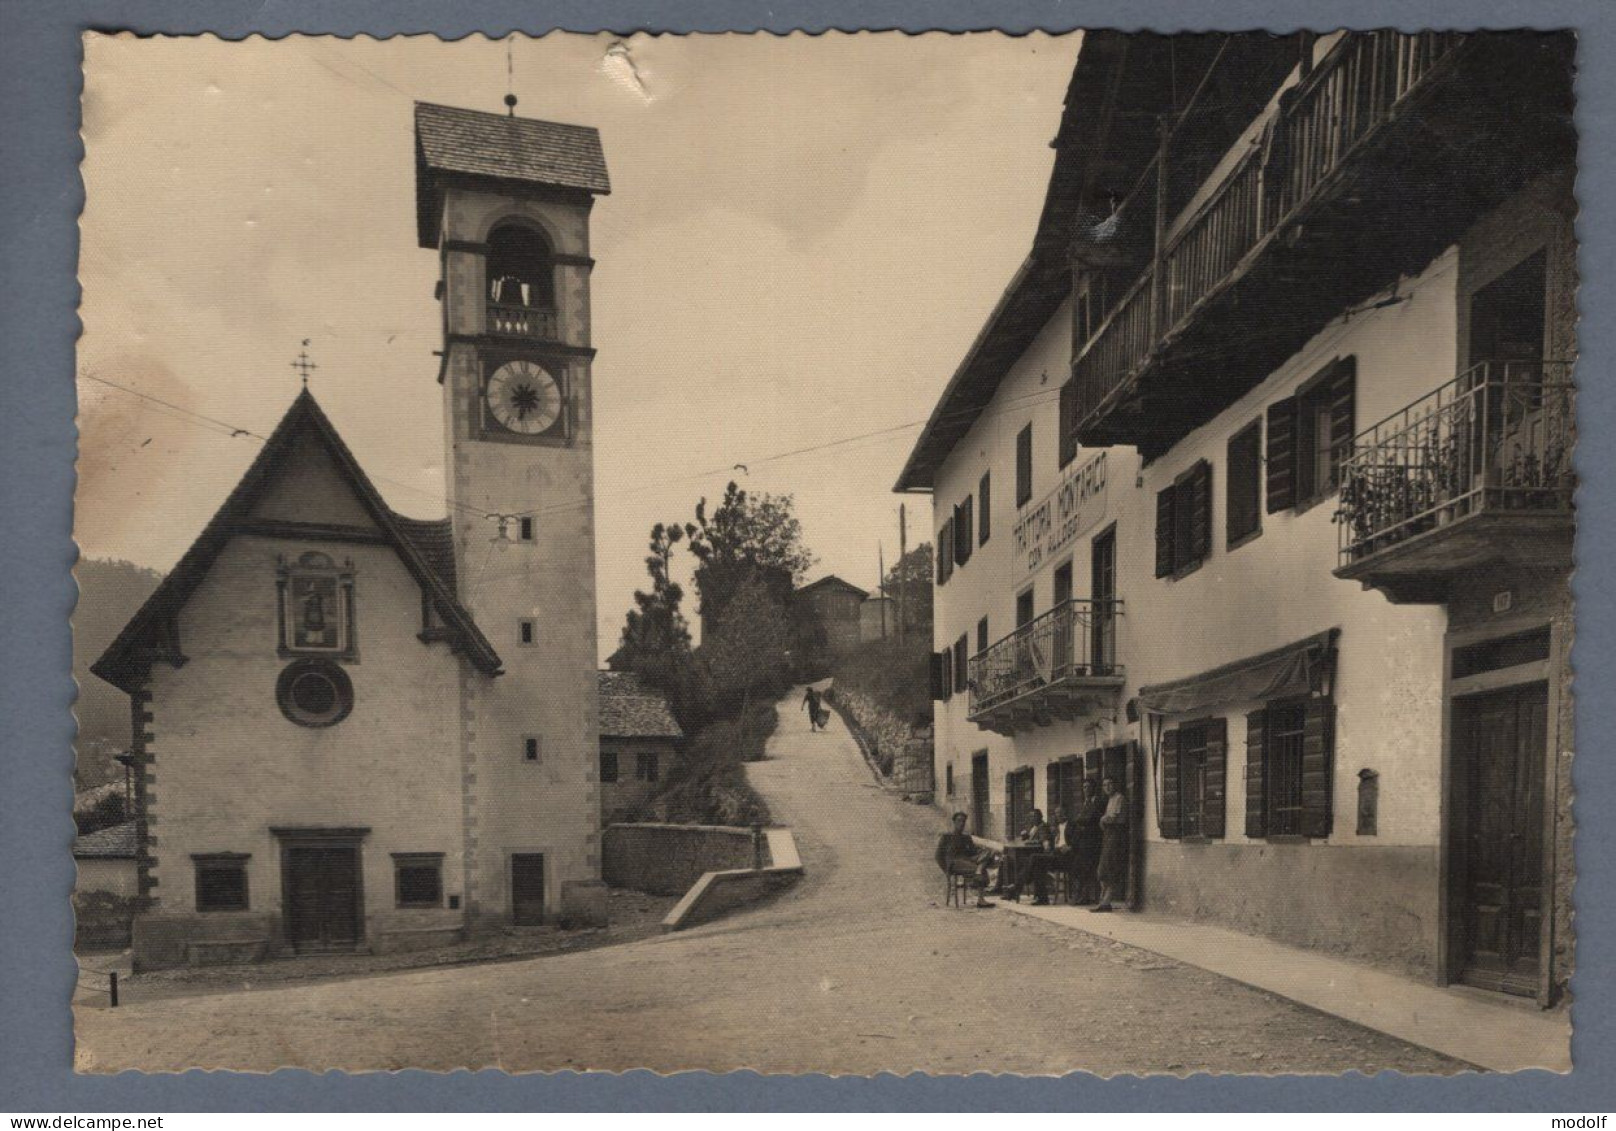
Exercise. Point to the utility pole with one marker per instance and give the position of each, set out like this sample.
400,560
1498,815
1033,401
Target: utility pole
903,582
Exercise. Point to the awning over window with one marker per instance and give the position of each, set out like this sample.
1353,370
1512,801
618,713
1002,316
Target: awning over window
1303,668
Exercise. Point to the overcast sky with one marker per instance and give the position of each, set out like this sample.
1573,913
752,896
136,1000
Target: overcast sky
803,237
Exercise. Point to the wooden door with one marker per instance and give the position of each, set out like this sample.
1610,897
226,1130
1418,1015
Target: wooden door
1500,739
979,794
1065,640
527,888
322,895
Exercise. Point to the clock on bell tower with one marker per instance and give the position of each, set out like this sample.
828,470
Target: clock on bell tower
505,202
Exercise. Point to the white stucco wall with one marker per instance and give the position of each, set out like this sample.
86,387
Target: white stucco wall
1273,590
227,765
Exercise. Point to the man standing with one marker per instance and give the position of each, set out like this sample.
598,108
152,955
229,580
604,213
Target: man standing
1113,845
1087,844
958,855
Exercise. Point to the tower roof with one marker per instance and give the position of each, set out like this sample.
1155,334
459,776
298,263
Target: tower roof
451,142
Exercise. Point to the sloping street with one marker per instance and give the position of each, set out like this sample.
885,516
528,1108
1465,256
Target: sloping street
860,969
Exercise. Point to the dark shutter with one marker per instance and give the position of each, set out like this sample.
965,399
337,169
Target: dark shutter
1243,485
1164,533
1341,396
937,661
1068,422
1024,465
1256,813
1010,829
1171,821
963,532
1052,790
1282,455
1318,743
1217,774
985,519
1199,486
1091,765
945,553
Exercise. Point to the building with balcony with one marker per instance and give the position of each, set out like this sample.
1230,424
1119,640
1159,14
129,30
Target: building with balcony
1298,314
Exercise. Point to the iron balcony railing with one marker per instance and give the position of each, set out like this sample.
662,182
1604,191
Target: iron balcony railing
1076,639
522,322
1354,90
1498,438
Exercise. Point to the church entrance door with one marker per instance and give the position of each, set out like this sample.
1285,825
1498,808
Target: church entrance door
321,885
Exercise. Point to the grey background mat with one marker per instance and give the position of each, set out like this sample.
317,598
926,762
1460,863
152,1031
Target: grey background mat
42,195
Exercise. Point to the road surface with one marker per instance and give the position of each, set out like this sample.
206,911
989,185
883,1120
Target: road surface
860,969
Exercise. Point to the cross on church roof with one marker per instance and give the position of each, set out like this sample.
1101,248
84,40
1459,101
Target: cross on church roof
303,365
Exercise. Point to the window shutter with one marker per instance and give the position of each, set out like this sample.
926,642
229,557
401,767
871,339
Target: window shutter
1164,533
963,529
1010,829
1052,790
1342,396
1282,455
1243,484
1068,422
1171,803
1200,491
984,520
1091,765
1217,773
1024,465
945,553
937,692
1318,743
1256,812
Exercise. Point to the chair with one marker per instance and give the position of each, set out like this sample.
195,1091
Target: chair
958,885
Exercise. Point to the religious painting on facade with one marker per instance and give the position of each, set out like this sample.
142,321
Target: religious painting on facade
1258,664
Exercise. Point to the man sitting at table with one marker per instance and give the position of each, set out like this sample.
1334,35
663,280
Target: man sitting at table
1036,838
959,855
1060,857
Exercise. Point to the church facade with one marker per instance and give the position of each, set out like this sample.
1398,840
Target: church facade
350,732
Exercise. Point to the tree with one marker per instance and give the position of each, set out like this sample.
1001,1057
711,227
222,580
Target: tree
908,583
750,650
656,629
748,536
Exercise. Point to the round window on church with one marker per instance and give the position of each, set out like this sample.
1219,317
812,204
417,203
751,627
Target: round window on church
314,693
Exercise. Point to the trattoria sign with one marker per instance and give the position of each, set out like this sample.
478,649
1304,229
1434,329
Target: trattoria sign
1052,525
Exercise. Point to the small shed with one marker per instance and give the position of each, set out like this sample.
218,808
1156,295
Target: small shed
639,741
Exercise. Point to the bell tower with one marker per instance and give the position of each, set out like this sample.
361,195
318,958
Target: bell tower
505,202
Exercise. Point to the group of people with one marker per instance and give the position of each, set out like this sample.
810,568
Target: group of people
1091,847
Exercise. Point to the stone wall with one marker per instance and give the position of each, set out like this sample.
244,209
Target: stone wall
669,859
888,741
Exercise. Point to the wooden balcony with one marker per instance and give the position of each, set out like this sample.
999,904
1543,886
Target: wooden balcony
1377,160
1058,666
1476,473
523,322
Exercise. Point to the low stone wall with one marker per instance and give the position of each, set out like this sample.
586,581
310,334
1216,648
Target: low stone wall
669,859
716,893
899,754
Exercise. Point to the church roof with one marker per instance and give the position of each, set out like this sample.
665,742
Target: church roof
452,141
630,708
424,546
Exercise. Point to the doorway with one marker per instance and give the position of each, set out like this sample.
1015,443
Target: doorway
1499,739
323,901
1103,593
527,888
979,794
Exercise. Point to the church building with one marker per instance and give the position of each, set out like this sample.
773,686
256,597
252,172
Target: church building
348,733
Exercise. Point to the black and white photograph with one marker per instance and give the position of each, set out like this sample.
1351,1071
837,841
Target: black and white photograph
849,554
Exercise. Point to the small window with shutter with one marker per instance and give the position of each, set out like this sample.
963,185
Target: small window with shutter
963,540
945,552
1184,522
1194,768
1024,466
1243,512
1310,437
1290,750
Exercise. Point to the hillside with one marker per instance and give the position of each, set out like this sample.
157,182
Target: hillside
109,594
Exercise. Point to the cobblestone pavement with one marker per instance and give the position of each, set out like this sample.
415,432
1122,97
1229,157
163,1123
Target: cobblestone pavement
860,969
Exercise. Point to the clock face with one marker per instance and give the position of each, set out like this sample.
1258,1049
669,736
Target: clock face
524,398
